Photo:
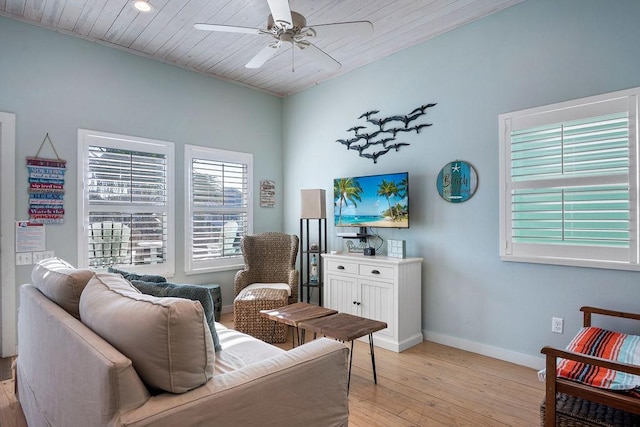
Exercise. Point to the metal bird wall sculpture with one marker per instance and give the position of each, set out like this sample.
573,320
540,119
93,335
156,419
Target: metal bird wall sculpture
375,155
397,145
361,132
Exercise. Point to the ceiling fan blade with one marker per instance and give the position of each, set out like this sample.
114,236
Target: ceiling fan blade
319,55
228,28
263,56
341,29
281,12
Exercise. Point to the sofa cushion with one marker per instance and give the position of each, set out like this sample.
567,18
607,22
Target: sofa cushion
134,276
241,350
192,292
167,339
61,283
282,286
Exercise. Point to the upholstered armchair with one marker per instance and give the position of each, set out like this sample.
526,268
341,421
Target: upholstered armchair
270,262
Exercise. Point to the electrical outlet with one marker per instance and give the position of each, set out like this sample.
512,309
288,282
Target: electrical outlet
23,258
557,324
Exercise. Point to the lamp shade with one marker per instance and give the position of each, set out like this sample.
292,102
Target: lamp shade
313,203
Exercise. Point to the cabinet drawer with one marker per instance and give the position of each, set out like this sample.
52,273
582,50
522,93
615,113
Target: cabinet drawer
342,267
379,272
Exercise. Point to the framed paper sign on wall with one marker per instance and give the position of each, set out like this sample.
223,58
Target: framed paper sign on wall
457,181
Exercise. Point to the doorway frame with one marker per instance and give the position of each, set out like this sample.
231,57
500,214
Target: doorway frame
8,331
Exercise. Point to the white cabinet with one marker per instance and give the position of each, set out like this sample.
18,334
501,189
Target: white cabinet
380,288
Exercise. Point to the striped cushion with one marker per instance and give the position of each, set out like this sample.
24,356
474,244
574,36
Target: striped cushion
607,345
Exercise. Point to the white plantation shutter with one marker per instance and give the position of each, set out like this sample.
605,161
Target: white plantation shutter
128,202
219,211
569,179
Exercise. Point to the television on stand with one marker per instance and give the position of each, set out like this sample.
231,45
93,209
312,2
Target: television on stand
380,201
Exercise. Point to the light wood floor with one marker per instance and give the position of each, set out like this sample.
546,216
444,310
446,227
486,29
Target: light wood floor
426,385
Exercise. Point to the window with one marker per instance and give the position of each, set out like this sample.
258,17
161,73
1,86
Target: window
126,202
219,207
569,183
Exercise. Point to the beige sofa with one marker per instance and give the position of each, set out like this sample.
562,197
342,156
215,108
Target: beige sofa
67,375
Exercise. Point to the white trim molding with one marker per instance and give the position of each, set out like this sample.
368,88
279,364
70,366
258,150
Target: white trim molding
527,360
7,227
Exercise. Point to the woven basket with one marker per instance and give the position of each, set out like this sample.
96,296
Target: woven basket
247,318
572,411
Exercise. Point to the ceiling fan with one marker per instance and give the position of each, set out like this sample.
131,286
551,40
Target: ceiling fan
284,25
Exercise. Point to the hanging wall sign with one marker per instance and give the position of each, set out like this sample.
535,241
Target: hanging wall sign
457,181
46,188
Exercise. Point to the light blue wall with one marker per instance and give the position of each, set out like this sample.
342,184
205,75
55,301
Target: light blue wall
56,84
534,53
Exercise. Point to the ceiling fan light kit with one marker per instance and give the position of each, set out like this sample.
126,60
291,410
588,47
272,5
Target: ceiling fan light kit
287,26
142,6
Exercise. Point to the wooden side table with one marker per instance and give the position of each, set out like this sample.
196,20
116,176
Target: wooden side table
347,327
293,314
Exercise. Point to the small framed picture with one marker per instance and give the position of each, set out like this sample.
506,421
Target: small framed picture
267,194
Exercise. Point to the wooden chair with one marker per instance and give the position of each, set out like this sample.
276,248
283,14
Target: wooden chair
570,403
269,280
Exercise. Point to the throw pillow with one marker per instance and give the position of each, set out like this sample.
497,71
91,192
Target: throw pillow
166,339
192,292
61,283
134,276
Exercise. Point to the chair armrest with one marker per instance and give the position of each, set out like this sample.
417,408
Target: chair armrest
294,282
588,311
554,385
590,360
241,281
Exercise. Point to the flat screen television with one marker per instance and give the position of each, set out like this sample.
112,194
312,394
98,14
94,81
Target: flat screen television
372,201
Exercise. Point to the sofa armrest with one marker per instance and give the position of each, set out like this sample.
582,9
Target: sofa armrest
306,386
66,374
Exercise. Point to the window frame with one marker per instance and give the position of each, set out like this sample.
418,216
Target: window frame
214,154
571,255
90,138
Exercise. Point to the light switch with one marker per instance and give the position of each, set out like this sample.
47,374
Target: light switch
23,258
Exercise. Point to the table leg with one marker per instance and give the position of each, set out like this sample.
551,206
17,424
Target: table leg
373,359
303,338
350,363
273,331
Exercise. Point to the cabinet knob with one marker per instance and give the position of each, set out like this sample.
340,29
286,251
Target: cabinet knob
354,302
358,303
341,267
375,272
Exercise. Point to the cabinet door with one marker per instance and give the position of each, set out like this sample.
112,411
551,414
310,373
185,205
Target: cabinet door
341,293
376,302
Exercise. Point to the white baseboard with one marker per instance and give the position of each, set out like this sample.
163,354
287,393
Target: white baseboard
527,360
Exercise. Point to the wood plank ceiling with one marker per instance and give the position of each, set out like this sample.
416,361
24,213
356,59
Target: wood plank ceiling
167,34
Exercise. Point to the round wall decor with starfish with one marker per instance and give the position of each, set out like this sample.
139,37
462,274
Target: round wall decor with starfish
457,181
